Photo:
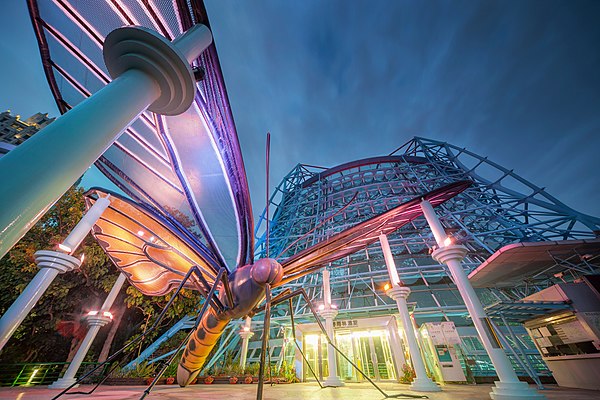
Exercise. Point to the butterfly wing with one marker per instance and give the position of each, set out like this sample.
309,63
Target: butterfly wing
154,253
190,164
362,235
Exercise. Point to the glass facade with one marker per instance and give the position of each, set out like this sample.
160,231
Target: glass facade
500,208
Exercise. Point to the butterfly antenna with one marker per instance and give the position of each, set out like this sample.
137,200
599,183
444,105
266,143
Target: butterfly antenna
267,188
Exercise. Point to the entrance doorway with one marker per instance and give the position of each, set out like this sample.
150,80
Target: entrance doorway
369,349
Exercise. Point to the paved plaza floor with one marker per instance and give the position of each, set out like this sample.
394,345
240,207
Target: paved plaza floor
300,391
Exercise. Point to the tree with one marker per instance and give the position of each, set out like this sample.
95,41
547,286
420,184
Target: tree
54,328
71,294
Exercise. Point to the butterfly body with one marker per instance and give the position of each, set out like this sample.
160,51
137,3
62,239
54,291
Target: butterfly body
247,285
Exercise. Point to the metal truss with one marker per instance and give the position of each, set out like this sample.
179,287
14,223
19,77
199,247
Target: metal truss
499,209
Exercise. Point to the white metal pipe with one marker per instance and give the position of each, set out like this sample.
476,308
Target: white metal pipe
193,42
86,223
47,164
95,322
396,346
509,386
434,223
326,289
399,294
17,312
246,333
389,260
50,267
147,70
114,292
501,362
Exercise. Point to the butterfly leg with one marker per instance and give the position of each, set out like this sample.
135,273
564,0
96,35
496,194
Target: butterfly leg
193,271
209,297
265,342
301,292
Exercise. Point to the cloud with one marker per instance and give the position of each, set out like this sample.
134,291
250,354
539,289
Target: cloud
517,82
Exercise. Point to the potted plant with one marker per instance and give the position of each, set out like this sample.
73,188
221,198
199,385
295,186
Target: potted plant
208,379
408,374
251,372
170,372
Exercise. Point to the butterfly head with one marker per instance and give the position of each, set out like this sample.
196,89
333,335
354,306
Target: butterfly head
267,270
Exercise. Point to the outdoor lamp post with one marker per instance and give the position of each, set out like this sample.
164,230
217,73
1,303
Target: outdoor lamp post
245,333
95,320
148,72
51,263
508,387
399,293
329,312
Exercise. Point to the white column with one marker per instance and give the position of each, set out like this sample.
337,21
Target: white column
328,312
396,346
509,386
95,320
51,263
399,293
246,333
149,72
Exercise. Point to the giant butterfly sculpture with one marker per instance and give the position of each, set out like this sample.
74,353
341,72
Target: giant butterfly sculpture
185,219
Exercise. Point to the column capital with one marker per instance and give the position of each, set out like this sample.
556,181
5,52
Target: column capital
328,313
246,334
451,252
56,260
397,292
97,320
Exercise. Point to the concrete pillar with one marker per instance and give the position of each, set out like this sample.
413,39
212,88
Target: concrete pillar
328,312
509,386
148,72
95,320
51,263
422,382
245,334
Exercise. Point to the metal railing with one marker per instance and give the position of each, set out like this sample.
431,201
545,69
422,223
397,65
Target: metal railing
44,373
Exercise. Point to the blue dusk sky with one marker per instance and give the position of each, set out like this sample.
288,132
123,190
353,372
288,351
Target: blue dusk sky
335,81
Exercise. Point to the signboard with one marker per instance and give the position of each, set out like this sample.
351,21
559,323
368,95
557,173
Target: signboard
572,332
442,333
345,323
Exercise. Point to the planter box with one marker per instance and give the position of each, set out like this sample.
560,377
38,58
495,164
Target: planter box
125,382
132,381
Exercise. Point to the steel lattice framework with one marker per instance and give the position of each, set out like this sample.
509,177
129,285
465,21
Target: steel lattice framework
499,209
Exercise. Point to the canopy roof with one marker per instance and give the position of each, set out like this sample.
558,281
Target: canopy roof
516,262
521,311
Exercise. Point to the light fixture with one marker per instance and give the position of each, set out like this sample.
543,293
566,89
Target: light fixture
448,241
246,329
35,371
64,248
386,287
107,314
141,233
321,307
92,313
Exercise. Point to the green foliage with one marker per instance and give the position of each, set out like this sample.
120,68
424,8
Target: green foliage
408,374
71,294
142,370
171,370
54,324
252,369
287,372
